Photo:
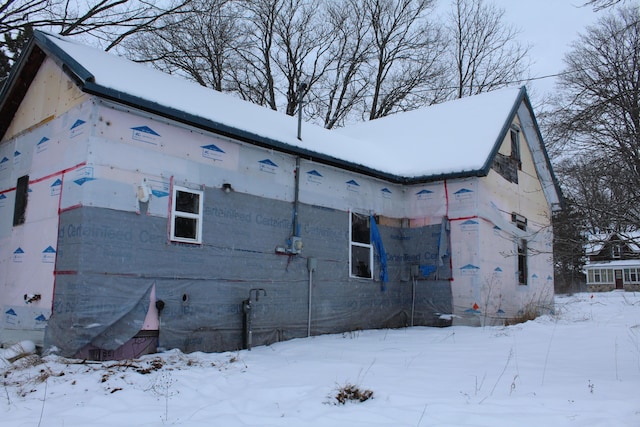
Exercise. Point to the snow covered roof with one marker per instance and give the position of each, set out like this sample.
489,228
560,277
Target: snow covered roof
454,139
628,263
596,242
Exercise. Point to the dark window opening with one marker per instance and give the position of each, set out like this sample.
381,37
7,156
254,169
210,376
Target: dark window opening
360,228
186,228
522,262
22,195
515,146
521,222
187,202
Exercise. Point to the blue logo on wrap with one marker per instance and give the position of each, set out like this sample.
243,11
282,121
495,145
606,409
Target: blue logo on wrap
268,166
77,128
212,151
145,134
314,176
84,175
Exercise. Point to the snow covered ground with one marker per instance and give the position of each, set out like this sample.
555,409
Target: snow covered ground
579,367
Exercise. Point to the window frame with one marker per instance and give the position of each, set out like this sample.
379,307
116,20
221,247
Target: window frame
355,245
522,266
600,276
631,275
616,251
176,214
514,136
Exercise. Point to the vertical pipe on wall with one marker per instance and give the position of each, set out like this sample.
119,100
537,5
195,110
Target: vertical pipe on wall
312,263
301,88
296,199
415,270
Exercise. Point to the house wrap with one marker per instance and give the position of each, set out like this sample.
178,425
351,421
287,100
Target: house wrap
134,200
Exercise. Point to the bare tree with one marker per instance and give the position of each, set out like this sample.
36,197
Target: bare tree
200,43
602,4
14,14
367,58
302,41
343,85
485,52
109,22
406,54
598,117
285,44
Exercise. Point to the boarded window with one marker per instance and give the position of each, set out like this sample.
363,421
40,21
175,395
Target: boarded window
519,220
360,250
22,193
186,215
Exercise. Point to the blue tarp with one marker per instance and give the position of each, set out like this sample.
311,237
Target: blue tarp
376,240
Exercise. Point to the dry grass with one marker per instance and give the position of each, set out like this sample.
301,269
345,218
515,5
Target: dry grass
352,393
529,312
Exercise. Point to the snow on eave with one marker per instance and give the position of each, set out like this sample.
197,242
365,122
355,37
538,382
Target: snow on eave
119,80
460,135
608,264
96,73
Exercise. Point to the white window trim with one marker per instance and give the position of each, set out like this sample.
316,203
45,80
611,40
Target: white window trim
179,214
616,251
627,275
362,245
604,276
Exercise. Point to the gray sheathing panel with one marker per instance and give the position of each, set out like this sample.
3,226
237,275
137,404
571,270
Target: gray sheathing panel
108,260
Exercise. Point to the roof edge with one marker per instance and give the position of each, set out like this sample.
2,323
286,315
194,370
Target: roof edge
18,82
505,128
258,140
72,67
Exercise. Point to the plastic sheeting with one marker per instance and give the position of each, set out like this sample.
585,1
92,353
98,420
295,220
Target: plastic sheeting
108,261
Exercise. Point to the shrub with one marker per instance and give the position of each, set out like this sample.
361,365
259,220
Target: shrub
350,392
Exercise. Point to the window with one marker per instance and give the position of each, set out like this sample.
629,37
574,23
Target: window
360,250
616,251
186,215
632,275
600,275
521,222
522,262
515,146
22,193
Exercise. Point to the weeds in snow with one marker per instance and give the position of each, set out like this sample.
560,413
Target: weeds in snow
351,393
500,376
162,387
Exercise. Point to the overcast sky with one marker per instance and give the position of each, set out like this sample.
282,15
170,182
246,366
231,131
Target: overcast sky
549,26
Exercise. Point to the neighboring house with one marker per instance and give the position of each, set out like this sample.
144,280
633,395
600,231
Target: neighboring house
613,262
131,201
